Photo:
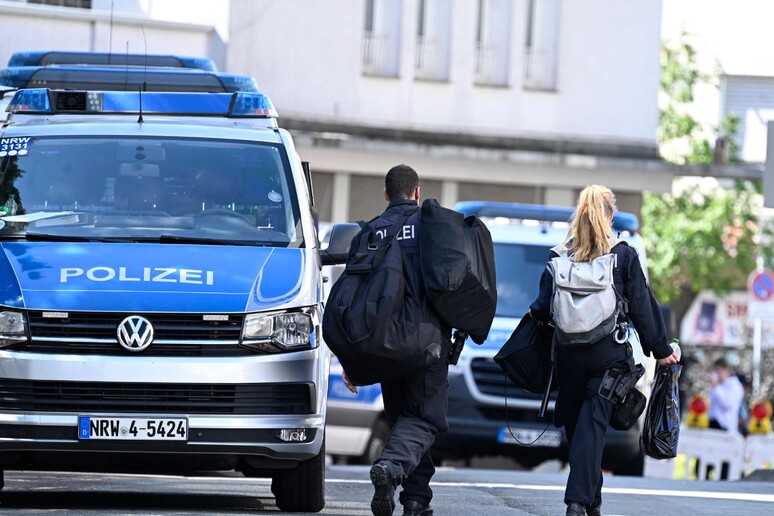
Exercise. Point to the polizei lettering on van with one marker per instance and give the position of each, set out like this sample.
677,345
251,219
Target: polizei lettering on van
145,274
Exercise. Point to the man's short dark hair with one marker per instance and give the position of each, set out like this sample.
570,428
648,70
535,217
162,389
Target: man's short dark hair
400,182
720,363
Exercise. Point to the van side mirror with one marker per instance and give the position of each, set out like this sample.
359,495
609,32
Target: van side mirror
338,246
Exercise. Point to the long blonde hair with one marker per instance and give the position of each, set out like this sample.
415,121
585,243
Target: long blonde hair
590,230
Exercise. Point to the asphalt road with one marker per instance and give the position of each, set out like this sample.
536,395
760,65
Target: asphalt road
457,492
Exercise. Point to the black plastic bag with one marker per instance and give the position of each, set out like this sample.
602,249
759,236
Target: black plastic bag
458,269
661,431
526,355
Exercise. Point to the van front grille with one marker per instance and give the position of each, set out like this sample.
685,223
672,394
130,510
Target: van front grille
160,398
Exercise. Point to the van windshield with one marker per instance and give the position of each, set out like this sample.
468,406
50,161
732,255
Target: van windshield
148,189
519,267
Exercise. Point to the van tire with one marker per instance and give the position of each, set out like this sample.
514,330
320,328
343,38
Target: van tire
301,489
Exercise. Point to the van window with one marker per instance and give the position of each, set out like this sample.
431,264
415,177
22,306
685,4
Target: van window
151,189
519,267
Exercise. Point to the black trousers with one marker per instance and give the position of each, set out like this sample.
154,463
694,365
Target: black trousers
585,415
415,407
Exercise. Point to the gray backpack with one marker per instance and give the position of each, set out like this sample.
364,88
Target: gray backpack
585,304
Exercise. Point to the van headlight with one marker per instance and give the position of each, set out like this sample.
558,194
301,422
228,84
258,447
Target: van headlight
279,331
12,328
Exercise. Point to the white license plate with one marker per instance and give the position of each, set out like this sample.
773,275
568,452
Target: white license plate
526,437
133,428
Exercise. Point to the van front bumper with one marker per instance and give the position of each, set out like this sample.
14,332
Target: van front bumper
234,406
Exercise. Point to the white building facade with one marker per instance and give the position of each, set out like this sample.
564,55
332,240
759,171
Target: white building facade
85,25
510,100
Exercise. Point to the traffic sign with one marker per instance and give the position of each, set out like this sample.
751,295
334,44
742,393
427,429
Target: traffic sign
761,284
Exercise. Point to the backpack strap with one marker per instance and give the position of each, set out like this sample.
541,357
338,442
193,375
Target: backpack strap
400,222
371,312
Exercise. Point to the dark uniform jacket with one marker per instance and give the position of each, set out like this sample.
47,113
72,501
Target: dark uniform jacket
581,368
643,309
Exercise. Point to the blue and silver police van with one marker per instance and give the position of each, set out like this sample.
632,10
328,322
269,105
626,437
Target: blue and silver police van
479,424
161,289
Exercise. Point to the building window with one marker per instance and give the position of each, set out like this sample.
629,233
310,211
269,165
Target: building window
381,38
79,4
433,40
540,49
493,35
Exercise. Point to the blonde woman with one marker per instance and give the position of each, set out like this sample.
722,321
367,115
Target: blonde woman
584,414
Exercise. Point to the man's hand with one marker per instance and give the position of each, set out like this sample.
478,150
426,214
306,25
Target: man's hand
349,385
671,359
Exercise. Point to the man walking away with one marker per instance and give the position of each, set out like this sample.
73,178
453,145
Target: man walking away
415,406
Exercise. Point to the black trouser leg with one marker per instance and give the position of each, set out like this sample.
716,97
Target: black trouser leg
409,440
417,484
584,484
416,410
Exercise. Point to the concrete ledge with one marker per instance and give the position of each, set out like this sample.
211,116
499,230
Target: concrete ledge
558,145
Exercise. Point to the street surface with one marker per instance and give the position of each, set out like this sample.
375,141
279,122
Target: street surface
457,492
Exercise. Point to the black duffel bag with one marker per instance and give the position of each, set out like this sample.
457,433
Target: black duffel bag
458,269
379,329
526,355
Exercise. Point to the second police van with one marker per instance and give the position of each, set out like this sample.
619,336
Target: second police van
162,289
478,423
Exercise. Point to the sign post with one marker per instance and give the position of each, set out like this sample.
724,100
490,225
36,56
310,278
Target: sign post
760,283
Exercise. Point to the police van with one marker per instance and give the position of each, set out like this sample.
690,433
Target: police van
162,289
478,426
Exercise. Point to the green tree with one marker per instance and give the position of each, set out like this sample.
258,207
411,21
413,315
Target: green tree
704,236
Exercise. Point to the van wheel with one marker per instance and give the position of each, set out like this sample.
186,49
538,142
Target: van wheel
375,444
301,489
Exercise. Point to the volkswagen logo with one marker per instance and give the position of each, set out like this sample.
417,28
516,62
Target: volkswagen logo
135,333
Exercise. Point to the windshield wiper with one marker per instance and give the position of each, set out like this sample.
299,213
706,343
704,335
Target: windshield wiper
163,239
178,239
51,237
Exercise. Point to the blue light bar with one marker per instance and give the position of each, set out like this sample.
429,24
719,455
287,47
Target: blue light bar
252,104
31,101
25,58
160,103
240,104
234,82
622,221
56,57
76,77
16,77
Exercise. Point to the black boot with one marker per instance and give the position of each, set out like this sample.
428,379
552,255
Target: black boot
594,511
414,508
575,509
383,502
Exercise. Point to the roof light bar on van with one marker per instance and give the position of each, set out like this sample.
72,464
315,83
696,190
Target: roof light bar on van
622,221
237,105
76,77
57,57
31,102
